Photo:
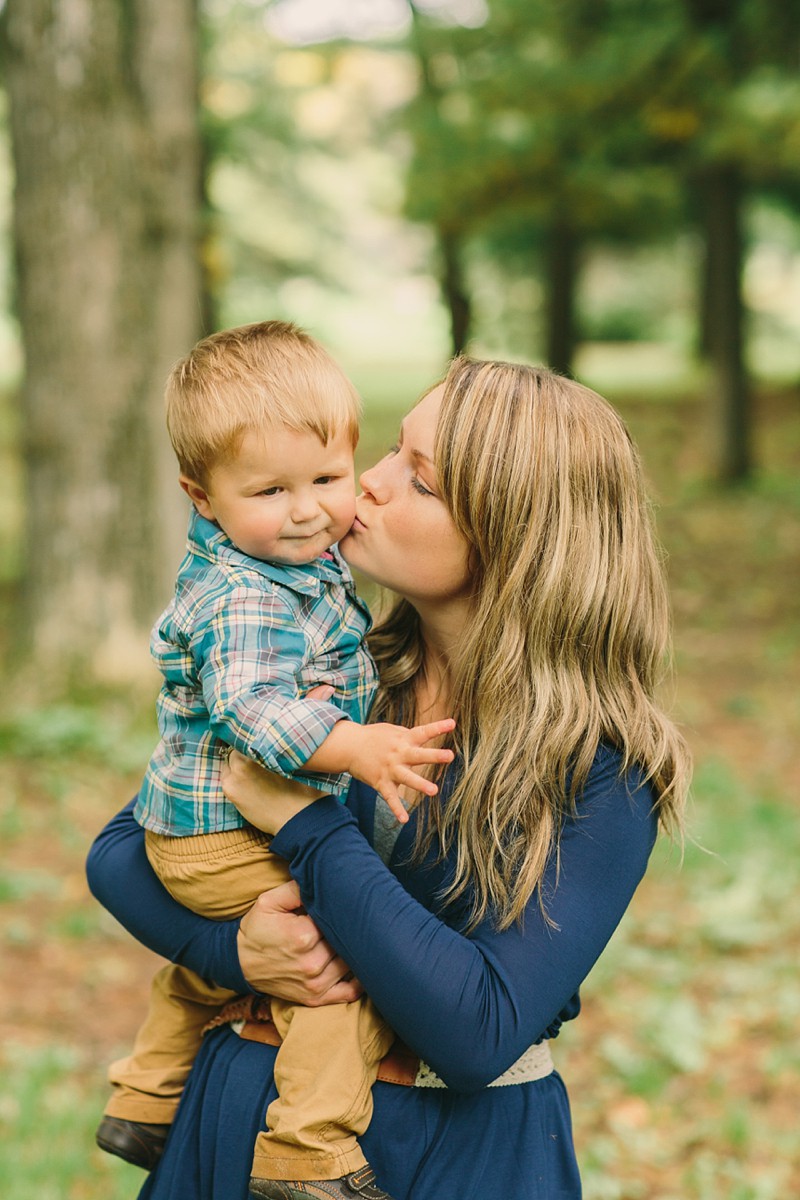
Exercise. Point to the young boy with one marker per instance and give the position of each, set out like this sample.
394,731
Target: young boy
264,425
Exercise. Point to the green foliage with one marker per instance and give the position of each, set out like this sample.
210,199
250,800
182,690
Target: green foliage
113,736
251,142
527,145
534,116
623,323
700,967
48,1112
597,119
279,125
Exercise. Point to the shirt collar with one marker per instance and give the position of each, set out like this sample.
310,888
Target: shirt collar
208,540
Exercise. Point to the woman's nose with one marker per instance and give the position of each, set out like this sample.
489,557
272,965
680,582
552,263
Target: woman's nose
373,483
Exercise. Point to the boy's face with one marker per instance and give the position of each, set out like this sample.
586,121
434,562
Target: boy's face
284,497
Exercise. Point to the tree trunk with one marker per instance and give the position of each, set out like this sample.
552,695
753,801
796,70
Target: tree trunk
561,275
705,315
454,291
451,279
722,191
103,109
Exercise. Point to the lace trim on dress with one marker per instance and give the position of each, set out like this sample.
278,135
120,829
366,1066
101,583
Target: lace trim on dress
535,1063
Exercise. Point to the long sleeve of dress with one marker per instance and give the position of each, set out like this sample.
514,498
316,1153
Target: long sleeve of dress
121,878
470,1005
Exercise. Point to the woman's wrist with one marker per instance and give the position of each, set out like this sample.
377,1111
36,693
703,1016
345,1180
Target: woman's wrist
307,823
265,800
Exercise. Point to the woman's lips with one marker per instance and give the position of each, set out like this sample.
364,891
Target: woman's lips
357,524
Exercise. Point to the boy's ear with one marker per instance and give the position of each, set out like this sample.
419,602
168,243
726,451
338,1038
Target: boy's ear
198,496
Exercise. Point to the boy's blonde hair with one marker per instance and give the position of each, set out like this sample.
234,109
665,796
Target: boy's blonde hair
254,378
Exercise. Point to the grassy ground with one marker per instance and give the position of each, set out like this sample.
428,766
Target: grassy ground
683,1067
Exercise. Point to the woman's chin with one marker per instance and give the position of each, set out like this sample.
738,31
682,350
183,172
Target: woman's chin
348,545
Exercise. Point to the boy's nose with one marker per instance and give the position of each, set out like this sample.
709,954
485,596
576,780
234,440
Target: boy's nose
304,507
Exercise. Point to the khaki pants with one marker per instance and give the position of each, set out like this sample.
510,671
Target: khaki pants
328,1058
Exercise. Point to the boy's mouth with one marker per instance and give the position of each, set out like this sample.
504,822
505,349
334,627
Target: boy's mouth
302,537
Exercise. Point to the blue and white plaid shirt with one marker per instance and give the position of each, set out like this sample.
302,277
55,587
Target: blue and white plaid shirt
239,647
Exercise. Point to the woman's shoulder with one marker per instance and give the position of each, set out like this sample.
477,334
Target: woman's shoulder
617,791
609,768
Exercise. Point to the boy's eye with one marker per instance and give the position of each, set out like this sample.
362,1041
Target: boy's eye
325,479
270,491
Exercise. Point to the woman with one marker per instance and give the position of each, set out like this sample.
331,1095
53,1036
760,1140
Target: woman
511,523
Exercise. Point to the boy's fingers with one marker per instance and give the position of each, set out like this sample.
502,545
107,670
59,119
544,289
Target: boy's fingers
424,733
418,782
396,805
418,756
398,811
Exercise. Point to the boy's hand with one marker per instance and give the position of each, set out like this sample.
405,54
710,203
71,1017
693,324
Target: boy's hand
385,757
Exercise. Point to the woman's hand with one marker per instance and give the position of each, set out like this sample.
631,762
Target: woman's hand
265,800
283,954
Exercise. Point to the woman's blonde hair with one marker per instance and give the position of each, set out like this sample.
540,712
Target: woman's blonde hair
258,377
568,633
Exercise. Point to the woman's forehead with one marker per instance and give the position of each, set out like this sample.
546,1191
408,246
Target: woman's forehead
420,424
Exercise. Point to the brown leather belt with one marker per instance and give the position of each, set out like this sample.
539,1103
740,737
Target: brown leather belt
250,1017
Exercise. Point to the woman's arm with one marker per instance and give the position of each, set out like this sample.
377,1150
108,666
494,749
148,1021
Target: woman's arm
469,1006
121,878
275,949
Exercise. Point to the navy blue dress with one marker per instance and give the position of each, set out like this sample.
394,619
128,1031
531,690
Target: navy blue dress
468,1005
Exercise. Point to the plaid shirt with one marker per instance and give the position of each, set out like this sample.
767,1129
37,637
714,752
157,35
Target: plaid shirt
239,646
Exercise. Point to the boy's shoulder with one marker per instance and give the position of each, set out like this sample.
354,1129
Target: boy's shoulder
209,589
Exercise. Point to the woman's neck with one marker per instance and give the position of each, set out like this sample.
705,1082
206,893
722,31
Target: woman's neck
440,631
441,626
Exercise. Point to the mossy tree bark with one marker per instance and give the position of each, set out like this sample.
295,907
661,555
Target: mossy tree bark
106,149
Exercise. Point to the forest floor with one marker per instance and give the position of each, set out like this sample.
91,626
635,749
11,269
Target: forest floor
683,1067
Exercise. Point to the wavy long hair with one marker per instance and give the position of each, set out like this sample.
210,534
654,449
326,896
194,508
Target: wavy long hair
568,634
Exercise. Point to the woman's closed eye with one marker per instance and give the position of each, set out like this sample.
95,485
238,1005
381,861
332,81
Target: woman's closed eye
415,481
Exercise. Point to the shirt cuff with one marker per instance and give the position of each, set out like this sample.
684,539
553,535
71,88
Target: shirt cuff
301,730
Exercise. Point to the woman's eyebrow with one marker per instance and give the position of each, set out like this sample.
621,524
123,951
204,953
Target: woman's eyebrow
418,454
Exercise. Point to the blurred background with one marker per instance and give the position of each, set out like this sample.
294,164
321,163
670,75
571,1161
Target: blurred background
609,187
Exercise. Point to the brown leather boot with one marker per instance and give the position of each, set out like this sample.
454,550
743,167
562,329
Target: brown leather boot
134,1141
